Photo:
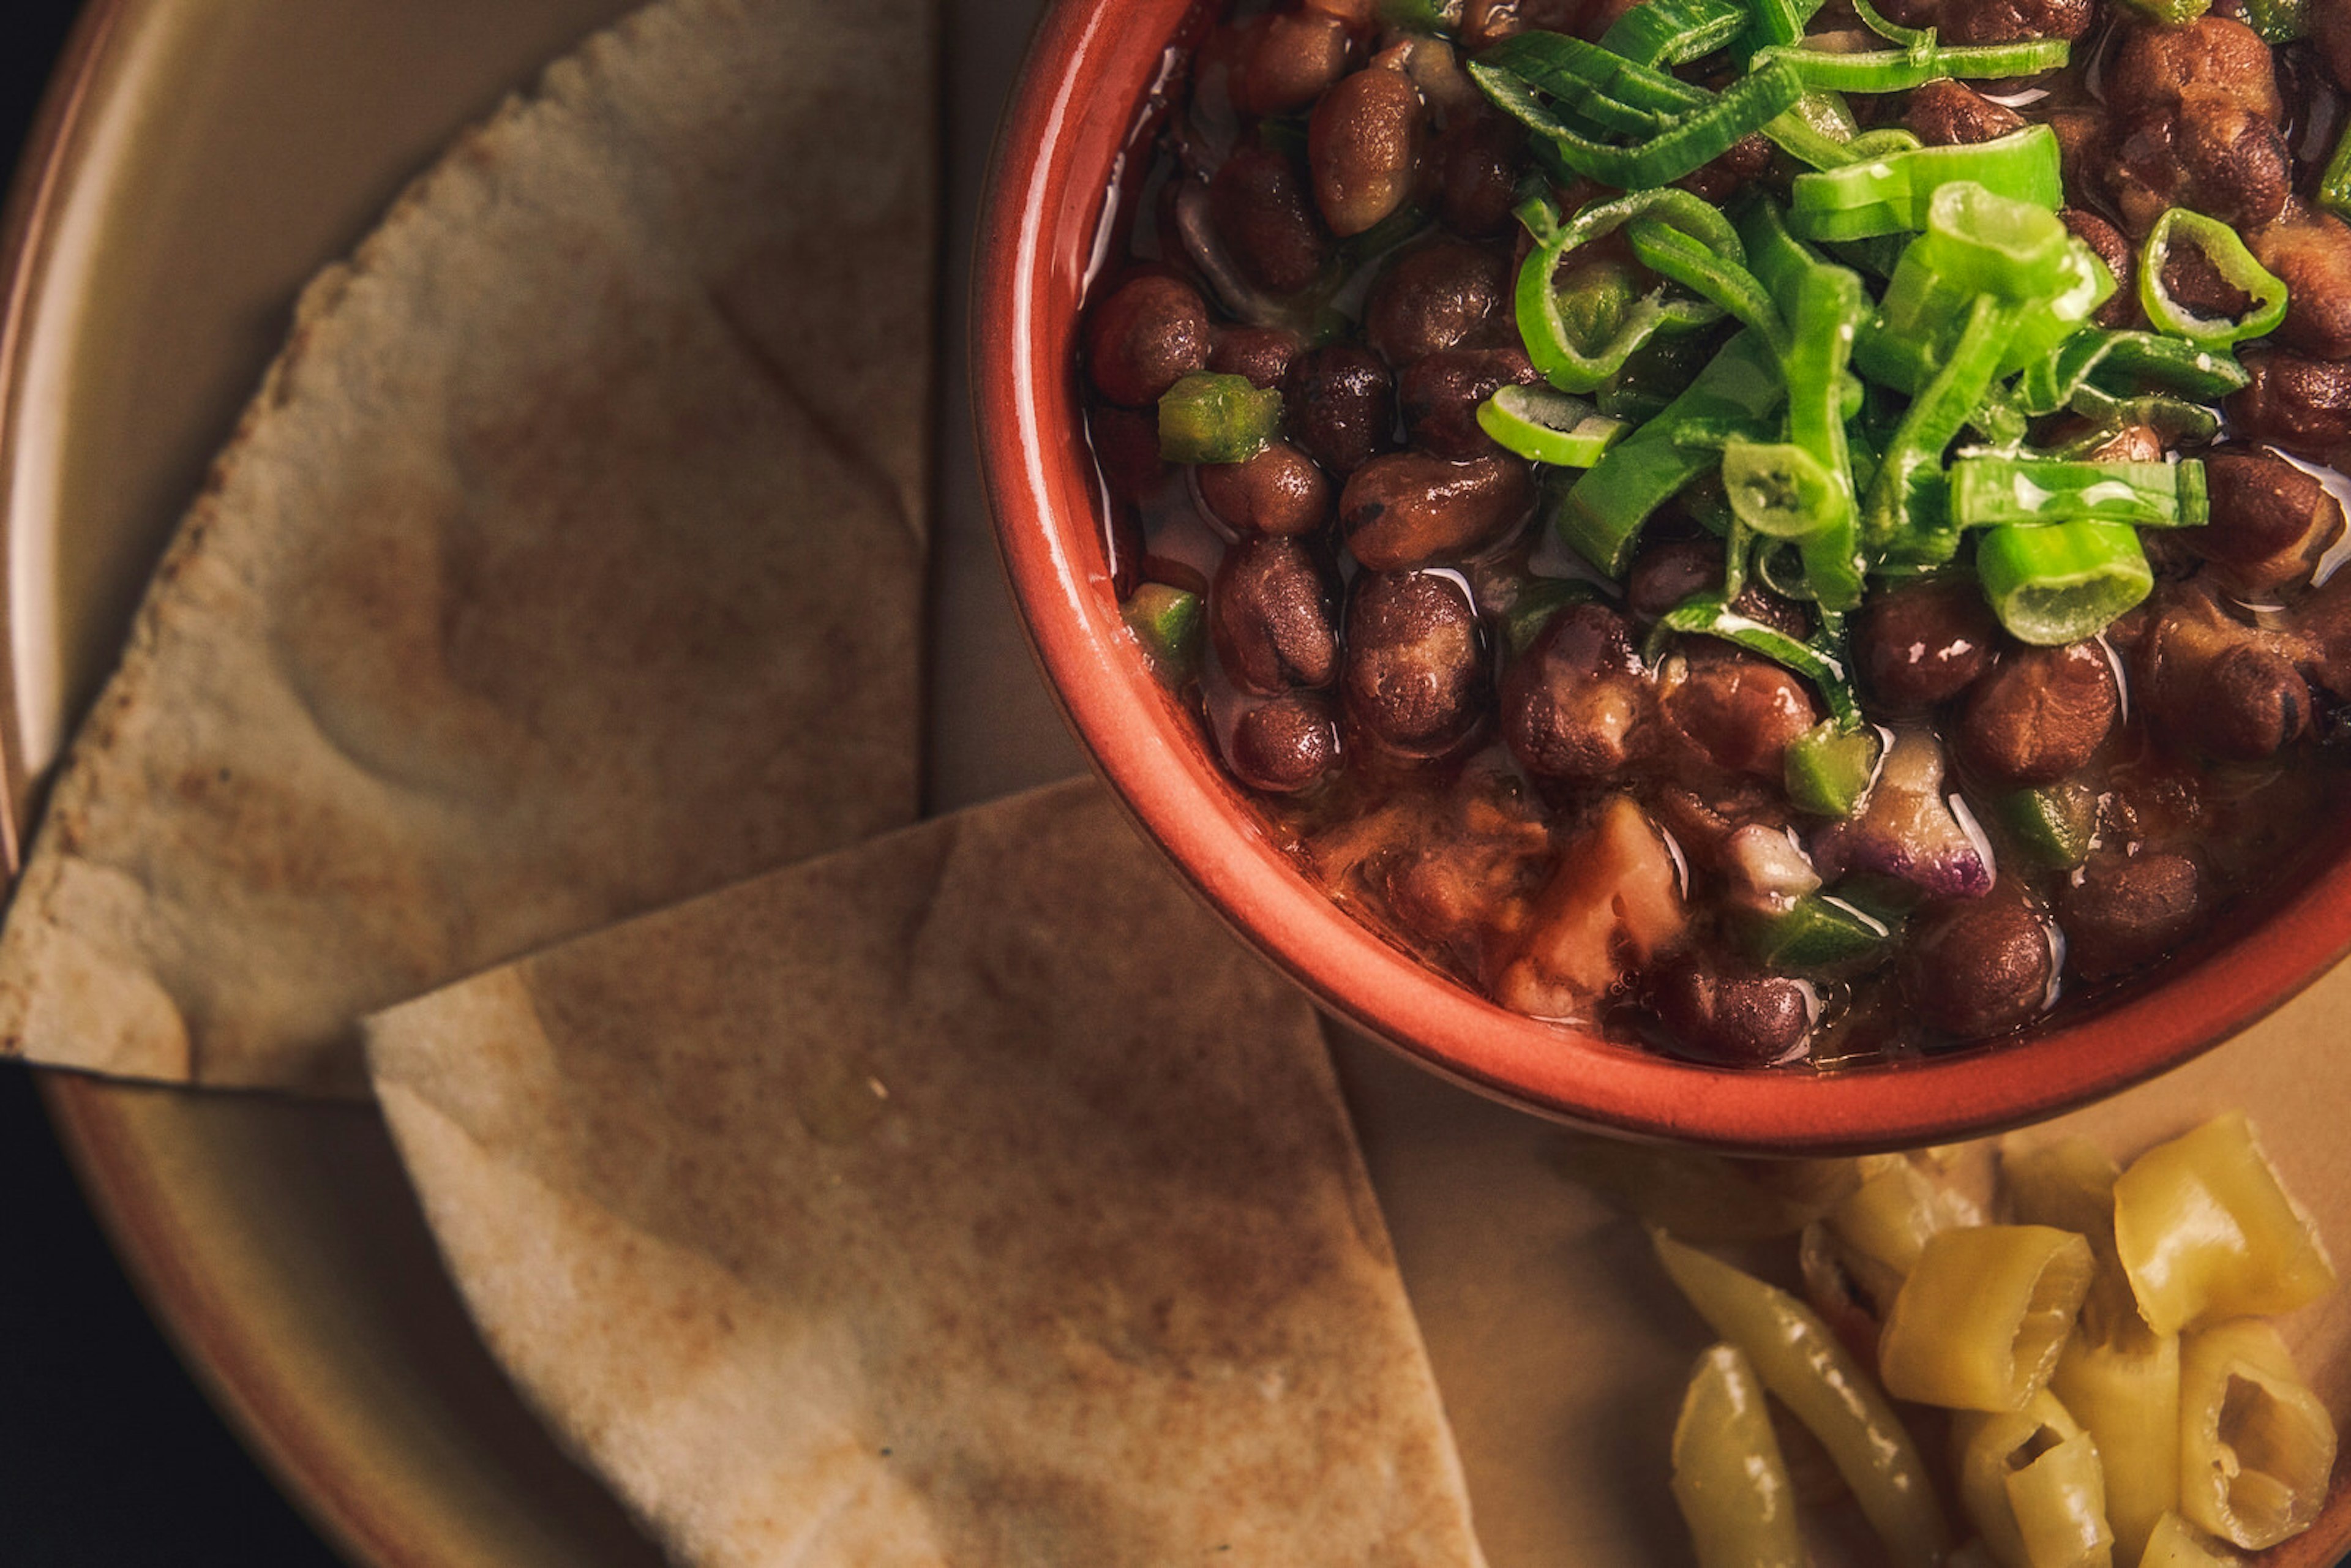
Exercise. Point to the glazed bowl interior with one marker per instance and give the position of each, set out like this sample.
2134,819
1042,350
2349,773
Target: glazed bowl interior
1067,143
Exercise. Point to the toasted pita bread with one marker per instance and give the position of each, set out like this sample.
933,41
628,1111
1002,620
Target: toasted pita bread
567,563
967,1197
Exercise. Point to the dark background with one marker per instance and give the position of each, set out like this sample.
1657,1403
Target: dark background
109,1457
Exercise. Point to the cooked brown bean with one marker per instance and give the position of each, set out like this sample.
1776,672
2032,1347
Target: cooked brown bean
2330,34
1279,491
1270,616
1261,354
1439,393
2040,714
2194,280
1339,402
1924,643
1411,508
1485,22
1576,705
1416,669
1151,333
1748,159
2157,68
1446,294
2270,521
2001,21
1285,745
2121,260
1364,145
1738,712
1731,1017
1663,575
2131,443
1980,968
1950,113
1257,204
1478,161
2212,154
2310,254
2293,401
2214,687
1286,60
2122,909
1362,16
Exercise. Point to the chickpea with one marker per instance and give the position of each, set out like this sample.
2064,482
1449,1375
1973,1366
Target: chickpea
1261,354
2039,715
2270,520
1270,620
1924,643
1150,333
1258,207
1410,508
1983,967
2124,910
1739,713
1279,491
1577,705
1439,395
1364,145
1443,295
1416,671
1950,113
1286,746
2291,400
1729,1017
1287,59
1341,405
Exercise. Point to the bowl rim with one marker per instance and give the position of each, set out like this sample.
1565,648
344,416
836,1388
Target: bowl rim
1092,68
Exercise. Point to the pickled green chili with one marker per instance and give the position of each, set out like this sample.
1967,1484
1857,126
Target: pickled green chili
1985,491
1602,514
1576,350
1890,193
2230,258
2060,582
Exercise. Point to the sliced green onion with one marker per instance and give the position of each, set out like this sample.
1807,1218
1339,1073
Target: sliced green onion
1167,622
1549,426
2063,582
1779,22
1710,615
1678,258
1602,514
1546,80
1897,70
1209,418
1817,131
1908,38
1675,32
2054,824
1829,768
2121,363
2230,258
1559,329
1825,306
1892,520
1891,192
1986,491
1822,933
1780,491
2173,419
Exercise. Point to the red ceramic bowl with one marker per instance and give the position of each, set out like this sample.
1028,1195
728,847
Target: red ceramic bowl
1066,141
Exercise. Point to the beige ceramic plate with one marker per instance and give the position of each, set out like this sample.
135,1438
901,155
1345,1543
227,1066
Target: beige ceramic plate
204,157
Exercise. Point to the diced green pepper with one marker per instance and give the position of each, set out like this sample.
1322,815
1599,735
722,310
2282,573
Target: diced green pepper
2052,824
1167,622
1207,418
1829,768
1822,933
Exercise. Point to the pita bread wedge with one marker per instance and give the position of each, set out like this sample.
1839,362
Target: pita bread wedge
967,1197
567,563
